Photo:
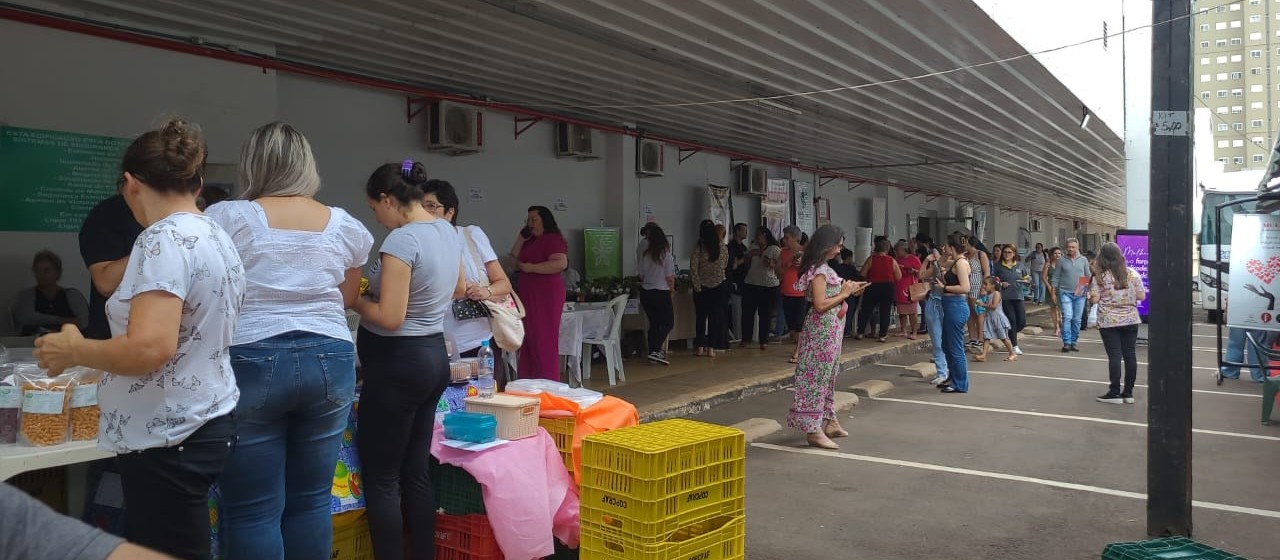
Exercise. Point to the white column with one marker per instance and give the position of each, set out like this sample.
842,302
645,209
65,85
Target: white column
622,195
1137,137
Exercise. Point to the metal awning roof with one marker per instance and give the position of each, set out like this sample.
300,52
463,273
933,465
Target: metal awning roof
1006,133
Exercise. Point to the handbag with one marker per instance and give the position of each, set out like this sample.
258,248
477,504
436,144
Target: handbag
468,309
505,313
918,291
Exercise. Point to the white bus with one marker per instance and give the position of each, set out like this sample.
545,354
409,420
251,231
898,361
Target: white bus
1215,244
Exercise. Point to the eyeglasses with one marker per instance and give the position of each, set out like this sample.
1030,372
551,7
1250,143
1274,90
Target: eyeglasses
432,206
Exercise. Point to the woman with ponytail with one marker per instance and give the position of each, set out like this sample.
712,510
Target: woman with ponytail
417,274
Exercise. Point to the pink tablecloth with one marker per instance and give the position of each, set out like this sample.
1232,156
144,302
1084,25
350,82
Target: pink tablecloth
528,494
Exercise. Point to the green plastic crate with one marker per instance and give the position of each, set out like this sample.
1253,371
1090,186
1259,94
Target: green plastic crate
457,492
1172,548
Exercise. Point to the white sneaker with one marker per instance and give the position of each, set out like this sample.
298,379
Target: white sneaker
1017,350
939,379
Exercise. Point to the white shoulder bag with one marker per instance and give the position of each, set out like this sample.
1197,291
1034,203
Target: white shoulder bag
506,312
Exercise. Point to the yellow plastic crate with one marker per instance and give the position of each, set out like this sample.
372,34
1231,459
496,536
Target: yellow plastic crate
648,490
561,431
657,528
722,538
659,449
351,540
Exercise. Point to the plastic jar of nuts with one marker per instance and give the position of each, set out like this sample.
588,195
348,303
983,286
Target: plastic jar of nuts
46,402
10,405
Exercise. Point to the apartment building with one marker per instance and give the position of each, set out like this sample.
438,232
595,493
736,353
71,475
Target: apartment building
1236,53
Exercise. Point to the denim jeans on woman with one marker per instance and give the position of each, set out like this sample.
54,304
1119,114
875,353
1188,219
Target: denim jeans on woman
955,317
933,320
295,395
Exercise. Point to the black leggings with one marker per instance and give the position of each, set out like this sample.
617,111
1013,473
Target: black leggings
404,377
877,299
1016,311
709,311
661,313
1122,345
757,301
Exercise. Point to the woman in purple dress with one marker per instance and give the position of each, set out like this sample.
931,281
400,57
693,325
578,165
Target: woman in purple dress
541,255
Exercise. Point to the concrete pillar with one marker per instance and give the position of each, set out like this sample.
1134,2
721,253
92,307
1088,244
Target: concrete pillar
622,195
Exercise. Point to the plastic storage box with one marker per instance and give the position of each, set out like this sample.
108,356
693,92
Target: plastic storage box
474,427
465,537
1179,548
517,416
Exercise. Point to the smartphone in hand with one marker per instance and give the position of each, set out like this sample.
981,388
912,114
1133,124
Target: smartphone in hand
527,232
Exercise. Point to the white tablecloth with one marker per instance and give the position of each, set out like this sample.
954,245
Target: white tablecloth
578,322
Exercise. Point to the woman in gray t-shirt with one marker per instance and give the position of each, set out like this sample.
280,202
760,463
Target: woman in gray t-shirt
417,274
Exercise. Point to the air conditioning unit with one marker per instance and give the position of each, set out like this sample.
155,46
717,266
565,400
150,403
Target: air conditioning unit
751,179
1036,225
455,128
578,141
649,157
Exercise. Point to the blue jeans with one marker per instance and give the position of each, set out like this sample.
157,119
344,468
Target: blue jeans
1072,313
1238,351
1037,287
955,317
933,321
295,395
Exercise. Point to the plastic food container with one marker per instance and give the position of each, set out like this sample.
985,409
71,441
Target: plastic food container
459,371
10,407
470,426
517,416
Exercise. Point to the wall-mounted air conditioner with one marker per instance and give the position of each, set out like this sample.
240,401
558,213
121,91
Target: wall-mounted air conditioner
751,179
455,128
650,157
578,141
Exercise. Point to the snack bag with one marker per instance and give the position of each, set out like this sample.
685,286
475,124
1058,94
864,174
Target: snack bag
84,404
46,406
10,407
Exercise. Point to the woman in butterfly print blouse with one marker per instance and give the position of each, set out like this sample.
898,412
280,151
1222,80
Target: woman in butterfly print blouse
169,392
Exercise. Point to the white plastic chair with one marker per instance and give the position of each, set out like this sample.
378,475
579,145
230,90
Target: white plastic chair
611,345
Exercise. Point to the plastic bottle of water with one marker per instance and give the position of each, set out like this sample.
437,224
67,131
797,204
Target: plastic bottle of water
485,384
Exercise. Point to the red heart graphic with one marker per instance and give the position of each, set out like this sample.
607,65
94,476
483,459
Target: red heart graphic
1265,272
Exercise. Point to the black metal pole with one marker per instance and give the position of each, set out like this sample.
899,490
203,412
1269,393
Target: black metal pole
1169,397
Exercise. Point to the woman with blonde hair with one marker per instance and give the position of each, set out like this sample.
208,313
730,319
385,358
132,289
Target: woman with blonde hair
293,355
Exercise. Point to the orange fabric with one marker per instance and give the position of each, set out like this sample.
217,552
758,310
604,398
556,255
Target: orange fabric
611,413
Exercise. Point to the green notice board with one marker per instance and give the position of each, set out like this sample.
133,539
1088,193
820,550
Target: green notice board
49,180
604,253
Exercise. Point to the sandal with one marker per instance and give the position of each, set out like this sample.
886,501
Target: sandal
834,430
821,441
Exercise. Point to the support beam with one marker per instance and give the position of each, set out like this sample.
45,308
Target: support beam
735,163
1169,393
853,185
910,194
414,106
520,124
686,153
824,179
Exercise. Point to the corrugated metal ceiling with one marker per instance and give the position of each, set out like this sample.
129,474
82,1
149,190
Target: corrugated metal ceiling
1014,127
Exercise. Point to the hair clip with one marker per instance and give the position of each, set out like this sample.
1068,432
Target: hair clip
406,168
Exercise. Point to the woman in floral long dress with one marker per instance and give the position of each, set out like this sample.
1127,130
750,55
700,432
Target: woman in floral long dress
813,410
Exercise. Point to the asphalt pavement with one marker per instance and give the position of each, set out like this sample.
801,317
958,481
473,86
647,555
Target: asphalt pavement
1025,466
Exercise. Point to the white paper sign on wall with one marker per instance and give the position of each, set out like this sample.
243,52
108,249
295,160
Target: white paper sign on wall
561,205
475,193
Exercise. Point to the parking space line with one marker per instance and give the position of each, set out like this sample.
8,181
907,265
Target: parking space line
1051,378
1065,417
1092,341
1009,477
1070,357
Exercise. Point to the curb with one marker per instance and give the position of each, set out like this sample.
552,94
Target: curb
711,397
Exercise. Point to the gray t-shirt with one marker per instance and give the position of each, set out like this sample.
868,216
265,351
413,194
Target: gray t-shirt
1067,273
31,530
434,253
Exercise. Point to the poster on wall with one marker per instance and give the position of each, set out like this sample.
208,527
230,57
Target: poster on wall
805,217
603,252
719,202
1133,244
980,223
1255,268
774,207
49,180
822,208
